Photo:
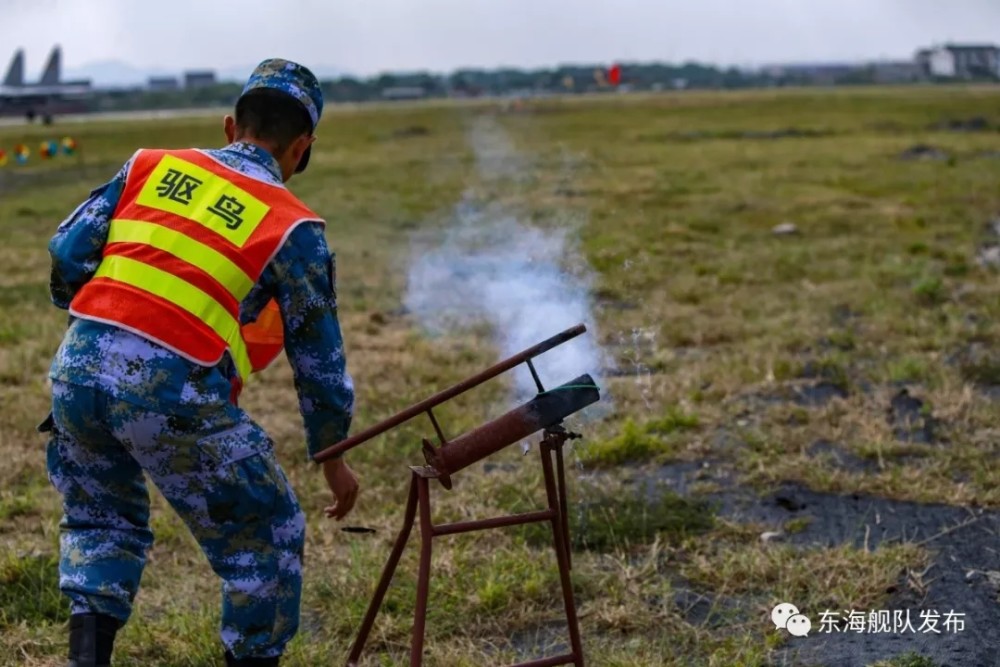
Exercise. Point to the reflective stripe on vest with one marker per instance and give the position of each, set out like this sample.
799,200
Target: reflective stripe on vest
189,239
183,247
183,294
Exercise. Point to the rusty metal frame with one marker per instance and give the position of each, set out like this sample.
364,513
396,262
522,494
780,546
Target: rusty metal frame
543,413
419,503
427,405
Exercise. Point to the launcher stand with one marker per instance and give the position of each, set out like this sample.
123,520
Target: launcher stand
543,413
419,501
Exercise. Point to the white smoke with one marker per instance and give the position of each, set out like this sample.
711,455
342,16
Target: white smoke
525,282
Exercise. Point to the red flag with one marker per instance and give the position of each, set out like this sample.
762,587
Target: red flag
615,75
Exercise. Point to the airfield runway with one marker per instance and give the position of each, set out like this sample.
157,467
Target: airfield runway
124,116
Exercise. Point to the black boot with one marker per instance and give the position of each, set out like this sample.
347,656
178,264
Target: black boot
232,661
91,639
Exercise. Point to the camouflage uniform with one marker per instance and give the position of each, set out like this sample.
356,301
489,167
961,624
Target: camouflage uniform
123,405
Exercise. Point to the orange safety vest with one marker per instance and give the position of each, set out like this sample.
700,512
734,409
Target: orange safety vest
188,240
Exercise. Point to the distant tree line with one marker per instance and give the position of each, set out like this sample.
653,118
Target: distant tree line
505,82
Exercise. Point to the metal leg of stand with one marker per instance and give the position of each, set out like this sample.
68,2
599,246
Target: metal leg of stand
563,503
387,573
424,576
559,538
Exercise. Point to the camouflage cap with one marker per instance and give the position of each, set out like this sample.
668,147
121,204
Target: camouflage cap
290,78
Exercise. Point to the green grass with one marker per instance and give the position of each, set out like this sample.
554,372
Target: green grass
670,200
675,420
625,520
29,591
655,440
907,660
634,444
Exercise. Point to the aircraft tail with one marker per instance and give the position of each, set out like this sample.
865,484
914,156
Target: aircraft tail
53,69
15,73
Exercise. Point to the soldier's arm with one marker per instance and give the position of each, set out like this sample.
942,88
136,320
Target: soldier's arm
302,277
76,247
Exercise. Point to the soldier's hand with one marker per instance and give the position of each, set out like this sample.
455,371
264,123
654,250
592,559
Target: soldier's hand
343,484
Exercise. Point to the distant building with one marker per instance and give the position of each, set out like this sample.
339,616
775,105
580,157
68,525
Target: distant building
955,61
898,72
200,79
163,83
923,60
812,73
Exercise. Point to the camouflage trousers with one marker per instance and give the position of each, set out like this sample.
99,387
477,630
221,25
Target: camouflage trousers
217,469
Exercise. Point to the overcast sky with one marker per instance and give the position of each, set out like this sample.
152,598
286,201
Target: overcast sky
369,36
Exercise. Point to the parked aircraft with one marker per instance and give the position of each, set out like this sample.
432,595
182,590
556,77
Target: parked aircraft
49,97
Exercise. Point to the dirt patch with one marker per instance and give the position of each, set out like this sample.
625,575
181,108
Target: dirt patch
974,124
547,640
780,133
979,365
818,394
988,254
956,580
714,611
841,458
807,394
911,419
679,477
964,576
924,152
787,133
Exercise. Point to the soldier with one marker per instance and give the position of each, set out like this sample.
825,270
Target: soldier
187,272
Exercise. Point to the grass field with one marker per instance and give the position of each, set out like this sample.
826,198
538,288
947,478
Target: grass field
755,379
